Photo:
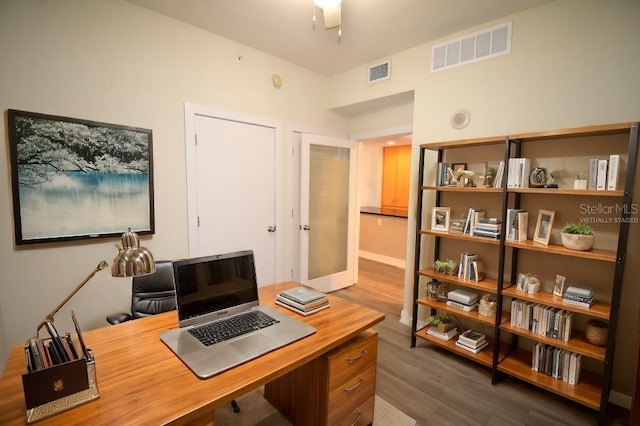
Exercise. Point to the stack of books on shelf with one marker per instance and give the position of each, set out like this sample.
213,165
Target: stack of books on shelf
463,299
444,177
605,174
433,331
470,267
488,227
302,300
472,218
540,319
519,170
516,226
472,341
578,296
557,363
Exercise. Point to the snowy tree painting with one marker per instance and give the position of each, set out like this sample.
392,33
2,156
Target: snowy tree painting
77,179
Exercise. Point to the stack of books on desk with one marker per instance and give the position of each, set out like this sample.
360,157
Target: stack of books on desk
302,300
578,296
472,341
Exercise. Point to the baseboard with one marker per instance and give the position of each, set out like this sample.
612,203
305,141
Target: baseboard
400,263
620,399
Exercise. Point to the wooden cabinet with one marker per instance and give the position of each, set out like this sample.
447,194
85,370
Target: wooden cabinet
338,388
396,167
566,153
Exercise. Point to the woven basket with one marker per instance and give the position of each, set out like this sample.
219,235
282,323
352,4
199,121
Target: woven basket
487,306
597,332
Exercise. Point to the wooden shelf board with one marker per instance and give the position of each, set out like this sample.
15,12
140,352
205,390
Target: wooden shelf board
608,129
598,309
567,191
577,343
484,357
493,140
473,315
488,284
479,189
586,392
465,237
596,254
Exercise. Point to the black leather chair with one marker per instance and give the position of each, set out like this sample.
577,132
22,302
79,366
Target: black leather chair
153,294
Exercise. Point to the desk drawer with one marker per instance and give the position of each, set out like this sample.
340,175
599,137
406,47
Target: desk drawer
352,359
361,416
351,394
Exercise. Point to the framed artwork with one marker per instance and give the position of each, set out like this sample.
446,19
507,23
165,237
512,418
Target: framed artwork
558,288
456,166
440,219
543,227
75,179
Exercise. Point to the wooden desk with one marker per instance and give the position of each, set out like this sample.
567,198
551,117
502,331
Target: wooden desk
142,382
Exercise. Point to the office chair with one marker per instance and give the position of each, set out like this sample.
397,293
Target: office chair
153,294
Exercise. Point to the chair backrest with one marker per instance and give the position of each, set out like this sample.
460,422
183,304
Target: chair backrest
154,293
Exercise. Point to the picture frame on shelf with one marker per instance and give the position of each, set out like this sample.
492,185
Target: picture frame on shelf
521,285
440,219
543,227
558,288
457,166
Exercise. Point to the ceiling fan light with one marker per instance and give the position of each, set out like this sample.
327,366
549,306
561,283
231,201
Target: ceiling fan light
327,4
332,18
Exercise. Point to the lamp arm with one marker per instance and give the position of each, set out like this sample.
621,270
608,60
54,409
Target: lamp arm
103,264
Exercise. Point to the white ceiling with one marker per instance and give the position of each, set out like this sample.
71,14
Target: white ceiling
371,29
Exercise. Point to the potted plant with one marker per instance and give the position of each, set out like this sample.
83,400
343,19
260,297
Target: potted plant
577,236
490,175
580,181
442,322
445,266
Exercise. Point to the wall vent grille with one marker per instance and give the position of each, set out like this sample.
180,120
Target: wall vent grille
484,44
379,71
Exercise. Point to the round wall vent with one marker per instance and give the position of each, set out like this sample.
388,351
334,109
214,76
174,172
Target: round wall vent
460,119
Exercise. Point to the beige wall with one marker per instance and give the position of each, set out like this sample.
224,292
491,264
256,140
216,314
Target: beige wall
385,236
572,63
111,61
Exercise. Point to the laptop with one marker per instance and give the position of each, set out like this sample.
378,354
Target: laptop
215,291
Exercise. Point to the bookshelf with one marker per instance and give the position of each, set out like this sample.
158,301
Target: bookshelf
509,352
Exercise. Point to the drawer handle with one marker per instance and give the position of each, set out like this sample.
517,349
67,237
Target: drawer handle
355,358
357,419
354,387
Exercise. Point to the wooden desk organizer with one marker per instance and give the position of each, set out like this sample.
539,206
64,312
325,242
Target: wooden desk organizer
58,388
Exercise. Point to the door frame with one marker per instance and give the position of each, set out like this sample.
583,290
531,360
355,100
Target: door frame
191,110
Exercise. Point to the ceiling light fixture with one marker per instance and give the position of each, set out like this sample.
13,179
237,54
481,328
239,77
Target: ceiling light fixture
332,13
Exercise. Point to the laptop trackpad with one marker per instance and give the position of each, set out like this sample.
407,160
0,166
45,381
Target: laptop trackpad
254,344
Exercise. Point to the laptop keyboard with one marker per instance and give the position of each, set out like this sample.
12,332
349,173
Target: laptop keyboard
229,328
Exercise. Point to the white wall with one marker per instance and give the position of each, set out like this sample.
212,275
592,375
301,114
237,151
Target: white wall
114,62
572,63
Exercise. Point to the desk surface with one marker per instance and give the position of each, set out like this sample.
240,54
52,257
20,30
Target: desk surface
142,382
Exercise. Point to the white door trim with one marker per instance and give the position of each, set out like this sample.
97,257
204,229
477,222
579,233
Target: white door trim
191,110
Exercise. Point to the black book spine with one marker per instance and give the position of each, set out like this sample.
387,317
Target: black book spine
57,343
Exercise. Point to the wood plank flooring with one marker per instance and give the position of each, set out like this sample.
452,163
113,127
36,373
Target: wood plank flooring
436,387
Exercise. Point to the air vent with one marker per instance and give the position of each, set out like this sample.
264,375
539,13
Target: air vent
380,71
484,44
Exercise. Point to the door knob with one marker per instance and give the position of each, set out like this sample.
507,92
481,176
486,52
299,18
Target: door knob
306,227
271,229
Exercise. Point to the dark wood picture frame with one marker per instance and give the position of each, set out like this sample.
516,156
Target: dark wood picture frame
76,179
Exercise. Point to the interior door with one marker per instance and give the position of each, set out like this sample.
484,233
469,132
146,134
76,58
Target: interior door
327,211
235,181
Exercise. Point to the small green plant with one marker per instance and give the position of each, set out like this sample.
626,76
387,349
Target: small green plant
578,228
445,266
437,319
492,171
582,176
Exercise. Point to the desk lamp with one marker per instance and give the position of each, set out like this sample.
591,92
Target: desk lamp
131,261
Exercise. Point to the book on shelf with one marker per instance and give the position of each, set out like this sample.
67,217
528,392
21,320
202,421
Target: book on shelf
478,270
465,297
477,214
593,173
442,179
498,181
585,305
464,307
464,265
471,219
520,226
601,179
577,297
470,349
614,174
510,228
580,291
472,338
433,331
519,170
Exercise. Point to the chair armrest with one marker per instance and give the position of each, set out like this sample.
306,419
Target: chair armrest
118,318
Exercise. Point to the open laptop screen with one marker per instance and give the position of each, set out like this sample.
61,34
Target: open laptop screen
209,284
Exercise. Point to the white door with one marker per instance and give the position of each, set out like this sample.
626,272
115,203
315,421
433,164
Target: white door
327,212
235,191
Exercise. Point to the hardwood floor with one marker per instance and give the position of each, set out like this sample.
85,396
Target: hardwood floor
436,387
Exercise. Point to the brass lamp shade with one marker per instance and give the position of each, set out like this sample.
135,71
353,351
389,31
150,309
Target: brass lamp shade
132,260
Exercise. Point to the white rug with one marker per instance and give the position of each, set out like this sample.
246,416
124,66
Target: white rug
256,411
